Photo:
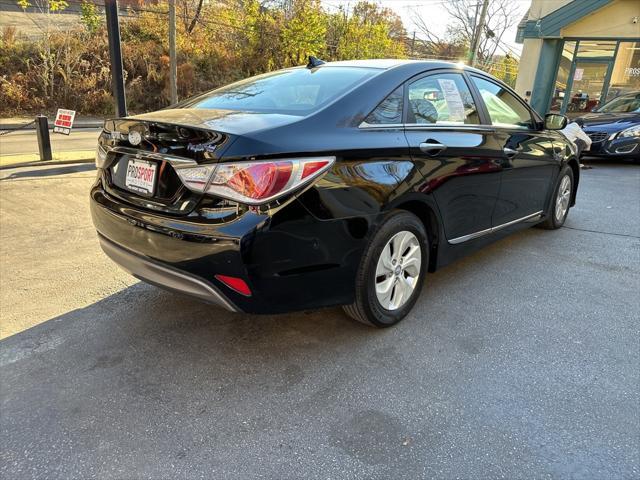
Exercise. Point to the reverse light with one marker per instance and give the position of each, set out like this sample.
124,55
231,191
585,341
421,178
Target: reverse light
236,284
254,183
101,157
195,178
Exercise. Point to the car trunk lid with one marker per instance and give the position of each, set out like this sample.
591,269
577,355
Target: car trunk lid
151,146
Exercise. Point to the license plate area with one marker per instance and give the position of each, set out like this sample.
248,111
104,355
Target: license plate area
141,176
169,194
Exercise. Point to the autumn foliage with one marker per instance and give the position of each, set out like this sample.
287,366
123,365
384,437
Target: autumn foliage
219,43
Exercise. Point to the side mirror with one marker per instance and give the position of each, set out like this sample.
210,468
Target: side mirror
554,121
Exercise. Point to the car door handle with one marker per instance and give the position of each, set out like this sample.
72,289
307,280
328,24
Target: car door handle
509,152
432,148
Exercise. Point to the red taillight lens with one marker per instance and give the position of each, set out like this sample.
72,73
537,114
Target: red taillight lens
254,183
235,283
261,180
310,168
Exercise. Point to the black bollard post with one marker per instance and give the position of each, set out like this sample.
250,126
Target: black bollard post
44,142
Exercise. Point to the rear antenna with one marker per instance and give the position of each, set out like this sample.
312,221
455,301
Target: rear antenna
314,62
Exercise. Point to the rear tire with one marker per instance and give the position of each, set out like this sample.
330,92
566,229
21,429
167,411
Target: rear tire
391,272
560,201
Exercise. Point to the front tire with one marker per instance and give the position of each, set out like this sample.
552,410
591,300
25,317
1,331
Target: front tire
392,271
561,201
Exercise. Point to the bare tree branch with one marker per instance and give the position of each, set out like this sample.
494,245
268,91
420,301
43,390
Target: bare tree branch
463,14
195,18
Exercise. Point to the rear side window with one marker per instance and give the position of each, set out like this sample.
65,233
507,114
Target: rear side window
296,91
389,111
441,99
503,107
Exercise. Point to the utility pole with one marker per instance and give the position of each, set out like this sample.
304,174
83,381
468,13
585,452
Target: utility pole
413,43
173,61
115,56
478,33
473,28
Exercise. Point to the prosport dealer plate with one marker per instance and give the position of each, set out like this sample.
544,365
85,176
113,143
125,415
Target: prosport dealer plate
141,176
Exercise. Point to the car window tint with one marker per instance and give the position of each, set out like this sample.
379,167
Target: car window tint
441,99
296,91
503,107
389,111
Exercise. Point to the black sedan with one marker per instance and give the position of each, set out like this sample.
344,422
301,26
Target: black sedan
336,184
614,128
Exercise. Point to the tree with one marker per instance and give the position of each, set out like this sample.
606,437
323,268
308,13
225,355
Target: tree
45,6
196,17
218,42
504,67
368,31
304,31
90,17
49,59
501,15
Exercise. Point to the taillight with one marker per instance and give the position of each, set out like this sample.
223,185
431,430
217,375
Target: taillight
253,183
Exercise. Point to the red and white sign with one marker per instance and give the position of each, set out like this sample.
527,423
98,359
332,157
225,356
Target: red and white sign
64,121
578,74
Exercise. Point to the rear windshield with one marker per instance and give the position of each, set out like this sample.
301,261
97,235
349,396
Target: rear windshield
625,104
297,91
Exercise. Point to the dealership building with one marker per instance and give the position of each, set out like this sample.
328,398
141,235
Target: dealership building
578,54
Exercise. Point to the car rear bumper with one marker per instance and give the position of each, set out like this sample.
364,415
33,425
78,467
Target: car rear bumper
289,259
164,276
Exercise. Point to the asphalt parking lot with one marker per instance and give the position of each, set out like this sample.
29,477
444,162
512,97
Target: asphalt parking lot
520,361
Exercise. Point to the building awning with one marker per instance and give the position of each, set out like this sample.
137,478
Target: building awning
550,25
521,26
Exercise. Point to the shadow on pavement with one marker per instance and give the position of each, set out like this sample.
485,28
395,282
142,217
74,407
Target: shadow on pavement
51,172
153,377
609,162
154,382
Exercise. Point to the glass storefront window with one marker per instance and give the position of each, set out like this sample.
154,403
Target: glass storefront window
625,77
591,65
586,90
596,68
563,75
596,49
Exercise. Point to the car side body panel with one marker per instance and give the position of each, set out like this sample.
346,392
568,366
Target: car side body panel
464,178
527,176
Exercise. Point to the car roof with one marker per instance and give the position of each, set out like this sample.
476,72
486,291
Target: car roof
388,63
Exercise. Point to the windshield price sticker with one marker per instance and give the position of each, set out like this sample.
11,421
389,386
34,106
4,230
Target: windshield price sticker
64,121
453,99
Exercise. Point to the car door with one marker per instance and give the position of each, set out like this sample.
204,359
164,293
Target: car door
524,150
443,128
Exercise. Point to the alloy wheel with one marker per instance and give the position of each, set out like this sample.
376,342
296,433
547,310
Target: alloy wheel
398,270
563,198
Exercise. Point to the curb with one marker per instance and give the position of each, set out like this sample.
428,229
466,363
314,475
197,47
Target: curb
69,155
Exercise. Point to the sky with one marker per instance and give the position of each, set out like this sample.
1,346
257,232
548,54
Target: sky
435,12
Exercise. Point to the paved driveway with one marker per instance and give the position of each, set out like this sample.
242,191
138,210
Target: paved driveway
521,361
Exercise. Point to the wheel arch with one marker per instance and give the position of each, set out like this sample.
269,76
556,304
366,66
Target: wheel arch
575,168
431,222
